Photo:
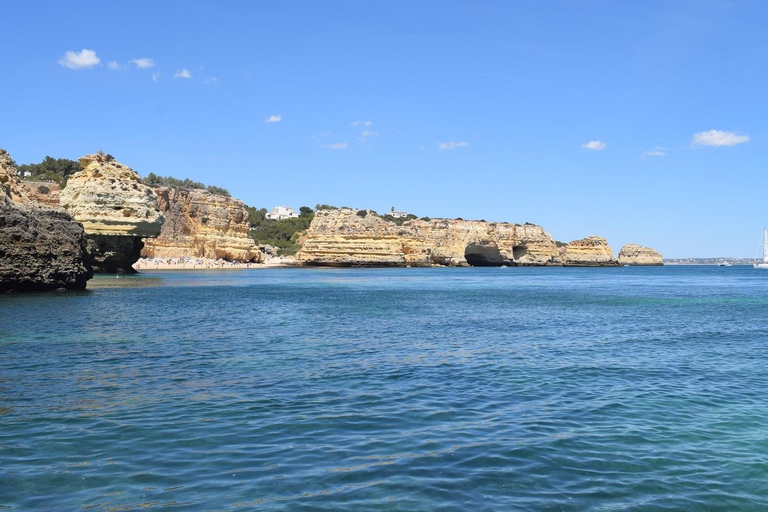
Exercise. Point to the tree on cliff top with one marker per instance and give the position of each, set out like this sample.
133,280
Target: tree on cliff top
54,169
282,234
153,180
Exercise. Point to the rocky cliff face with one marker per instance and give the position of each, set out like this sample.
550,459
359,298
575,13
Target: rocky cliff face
592,251
115,208
9,180
40,248
199,224
347,237
637,255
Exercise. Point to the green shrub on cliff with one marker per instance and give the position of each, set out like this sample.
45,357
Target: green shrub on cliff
153,180
282,234
50,169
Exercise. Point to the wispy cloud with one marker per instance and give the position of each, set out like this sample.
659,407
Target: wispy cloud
717,138
273,119
337,145
114,65
144,63
453,144
79,60
361,123
657,151
182,73
366,134
155,77
594,145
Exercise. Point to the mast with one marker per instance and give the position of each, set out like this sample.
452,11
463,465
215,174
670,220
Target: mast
765,245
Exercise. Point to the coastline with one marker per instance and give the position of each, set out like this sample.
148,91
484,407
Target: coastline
145,264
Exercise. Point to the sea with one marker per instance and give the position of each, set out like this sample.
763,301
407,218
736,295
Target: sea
564,389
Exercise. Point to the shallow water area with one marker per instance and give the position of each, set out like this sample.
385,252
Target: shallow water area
406,389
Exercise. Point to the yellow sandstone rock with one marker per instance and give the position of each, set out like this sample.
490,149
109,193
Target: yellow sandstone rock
592,251
108,198
637,255
349,237
199,224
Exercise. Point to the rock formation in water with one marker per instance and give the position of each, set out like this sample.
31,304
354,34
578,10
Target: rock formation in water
115,208
637,255
592,251
40,248
200,224
349,237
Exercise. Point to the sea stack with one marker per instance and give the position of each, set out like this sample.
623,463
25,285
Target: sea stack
199,224
592,251
40,248
637,255
116,210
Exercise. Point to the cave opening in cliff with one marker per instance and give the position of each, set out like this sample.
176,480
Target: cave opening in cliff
519,251
484,254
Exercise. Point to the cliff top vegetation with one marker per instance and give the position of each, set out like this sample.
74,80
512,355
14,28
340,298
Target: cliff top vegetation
153,180
57,170
283,234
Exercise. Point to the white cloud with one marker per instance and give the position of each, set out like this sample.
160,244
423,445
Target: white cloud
155,77
657,151
361,123
113,64
273,119
338,145
594,145
83,60
144,63
452,144
718,138
182,73
366,134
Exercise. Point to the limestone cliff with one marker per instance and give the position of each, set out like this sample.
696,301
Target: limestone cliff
346,237
199,224
9,180
637,255
592,251
115,208
40,248
109,199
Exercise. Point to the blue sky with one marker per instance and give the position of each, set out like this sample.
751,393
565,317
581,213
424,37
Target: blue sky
641,122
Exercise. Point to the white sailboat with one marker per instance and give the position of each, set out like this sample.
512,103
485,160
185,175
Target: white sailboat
764,263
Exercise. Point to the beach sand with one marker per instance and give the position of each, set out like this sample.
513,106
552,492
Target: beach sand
208,264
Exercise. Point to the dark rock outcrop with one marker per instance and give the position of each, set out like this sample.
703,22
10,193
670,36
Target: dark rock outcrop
40,249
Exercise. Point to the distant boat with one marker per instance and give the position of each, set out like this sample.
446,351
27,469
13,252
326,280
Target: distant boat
764,263
723,263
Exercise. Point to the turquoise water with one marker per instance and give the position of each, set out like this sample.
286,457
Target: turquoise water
392,389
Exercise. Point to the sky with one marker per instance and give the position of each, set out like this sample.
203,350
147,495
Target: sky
642,122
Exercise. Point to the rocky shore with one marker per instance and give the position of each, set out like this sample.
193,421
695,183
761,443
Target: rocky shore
41,248
105,219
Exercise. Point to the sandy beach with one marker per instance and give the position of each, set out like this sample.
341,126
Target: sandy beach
208,264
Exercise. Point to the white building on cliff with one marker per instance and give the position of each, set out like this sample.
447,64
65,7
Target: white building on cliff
282,212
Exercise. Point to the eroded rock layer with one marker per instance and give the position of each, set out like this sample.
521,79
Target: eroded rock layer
592,251
637,255
199,224
109,199
40,248
349,237
116,210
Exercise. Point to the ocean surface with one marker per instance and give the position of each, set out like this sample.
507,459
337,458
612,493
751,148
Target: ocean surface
389,389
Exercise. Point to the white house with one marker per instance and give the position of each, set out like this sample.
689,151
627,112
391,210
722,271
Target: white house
282,212
396,215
